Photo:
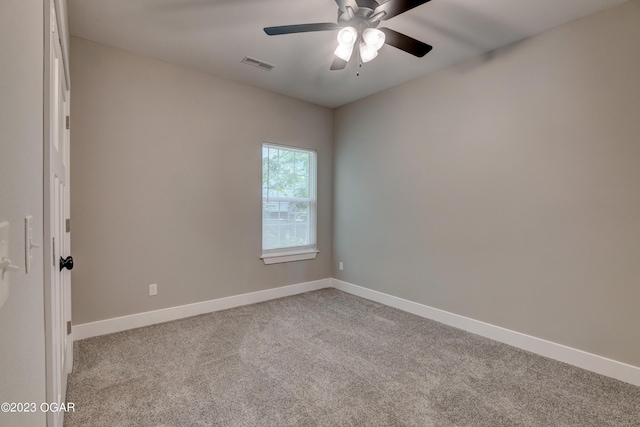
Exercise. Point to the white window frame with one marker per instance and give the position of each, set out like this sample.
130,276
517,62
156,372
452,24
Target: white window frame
295,253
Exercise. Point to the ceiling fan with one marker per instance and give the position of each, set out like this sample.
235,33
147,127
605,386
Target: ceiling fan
358,21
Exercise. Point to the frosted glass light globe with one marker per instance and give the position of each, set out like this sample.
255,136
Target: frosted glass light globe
344,52
367,52
347,36
373,37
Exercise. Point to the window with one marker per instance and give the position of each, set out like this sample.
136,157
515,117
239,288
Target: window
288,204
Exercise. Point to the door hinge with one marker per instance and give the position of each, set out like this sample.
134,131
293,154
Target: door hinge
68,122
69,327
53,250
68,225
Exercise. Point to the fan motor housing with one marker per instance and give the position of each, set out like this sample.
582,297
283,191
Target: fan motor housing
359,18
367,4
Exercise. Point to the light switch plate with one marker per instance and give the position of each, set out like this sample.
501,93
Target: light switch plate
28,243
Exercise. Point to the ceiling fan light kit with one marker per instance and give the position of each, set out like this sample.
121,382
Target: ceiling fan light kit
358,21
367,52
347,36
344,52
373,37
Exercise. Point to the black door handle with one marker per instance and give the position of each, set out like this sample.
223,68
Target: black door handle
66,263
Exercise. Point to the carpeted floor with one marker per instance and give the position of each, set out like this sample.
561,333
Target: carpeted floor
327,358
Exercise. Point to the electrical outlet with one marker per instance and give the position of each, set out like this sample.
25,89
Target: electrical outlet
153,289
341,266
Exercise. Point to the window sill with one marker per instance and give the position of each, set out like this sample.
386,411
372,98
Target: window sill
279,257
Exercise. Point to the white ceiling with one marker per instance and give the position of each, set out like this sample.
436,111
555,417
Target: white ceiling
213,36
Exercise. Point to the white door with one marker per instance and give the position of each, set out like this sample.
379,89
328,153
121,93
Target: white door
56,204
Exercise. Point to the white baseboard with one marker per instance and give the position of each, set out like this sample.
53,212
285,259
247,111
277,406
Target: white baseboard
582,359
117,324
572,356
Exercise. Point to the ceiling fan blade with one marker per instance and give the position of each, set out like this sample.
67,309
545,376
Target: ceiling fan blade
301,28
338,64
396,7
406,43
342,4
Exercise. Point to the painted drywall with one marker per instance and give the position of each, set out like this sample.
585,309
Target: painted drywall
506,189
166,177
22,353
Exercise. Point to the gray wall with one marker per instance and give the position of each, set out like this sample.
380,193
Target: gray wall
506,189
22,374
166,177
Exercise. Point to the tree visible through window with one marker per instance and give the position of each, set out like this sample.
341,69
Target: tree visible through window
288,198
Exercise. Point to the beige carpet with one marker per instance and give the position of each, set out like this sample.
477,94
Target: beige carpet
327,358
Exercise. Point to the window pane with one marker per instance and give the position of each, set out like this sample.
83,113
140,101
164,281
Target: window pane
302,164
285,224
302,232
300,211
301,187
269,236
286,174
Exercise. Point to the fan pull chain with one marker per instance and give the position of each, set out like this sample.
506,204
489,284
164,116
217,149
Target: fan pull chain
358,59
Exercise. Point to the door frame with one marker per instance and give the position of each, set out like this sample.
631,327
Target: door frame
55,14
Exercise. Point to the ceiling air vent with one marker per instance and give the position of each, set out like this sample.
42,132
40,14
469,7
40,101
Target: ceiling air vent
257,63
